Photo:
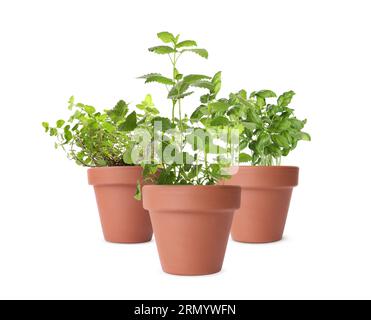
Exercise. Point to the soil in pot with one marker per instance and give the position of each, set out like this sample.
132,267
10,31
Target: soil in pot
191,225
123,218
265,201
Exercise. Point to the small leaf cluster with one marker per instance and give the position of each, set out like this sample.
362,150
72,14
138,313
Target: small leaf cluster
98,139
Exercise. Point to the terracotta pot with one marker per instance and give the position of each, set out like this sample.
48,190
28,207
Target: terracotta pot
191,225
265,201
123,218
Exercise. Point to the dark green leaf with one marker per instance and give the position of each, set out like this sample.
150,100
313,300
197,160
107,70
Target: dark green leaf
244,158
130,123
219,121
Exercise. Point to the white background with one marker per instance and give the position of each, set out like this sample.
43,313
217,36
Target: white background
50,239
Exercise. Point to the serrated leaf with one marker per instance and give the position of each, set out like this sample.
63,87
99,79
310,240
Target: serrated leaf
166,37
187,43
130,122
203,84
201,52
161,49
157,77
119,111
178,90
195,77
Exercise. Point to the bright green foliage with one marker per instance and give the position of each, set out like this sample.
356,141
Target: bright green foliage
96,139
268,130
190,168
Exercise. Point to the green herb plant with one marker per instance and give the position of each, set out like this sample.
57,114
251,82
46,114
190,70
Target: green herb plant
98,139
268,128
191,165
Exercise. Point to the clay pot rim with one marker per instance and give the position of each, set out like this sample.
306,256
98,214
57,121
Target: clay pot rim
269,167
113,167
178,186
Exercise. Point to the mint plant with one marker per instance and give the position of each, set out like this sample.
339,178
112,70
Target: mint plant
98,139
189,164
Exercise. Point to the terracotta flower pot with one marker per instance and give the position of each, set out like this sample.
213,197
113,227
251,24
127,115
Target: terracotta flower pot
191,225
265,201
123,218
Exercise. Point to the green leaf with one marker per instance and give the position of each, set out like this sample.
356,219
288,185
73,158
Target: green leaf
251,126
166,37
219,121
195,77
199,113
203,84
219,106
71,102
244,158
281,140
109,127
157,77
46,126
60,123
89,109
265,94
285,99
165,123
119,111
127,157
53,132
297,124
201,52
67,135
130,123
138,191
217,82
176,91
162,49
186,43
263,141
305,136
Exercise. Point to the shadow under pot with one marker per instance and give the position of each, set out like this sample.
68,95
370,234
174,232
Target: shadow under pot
191,225
122,217
265,201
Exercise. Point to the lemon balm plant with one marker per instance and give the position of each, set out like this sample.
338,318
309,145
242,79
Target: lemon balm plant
191,216
103,141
